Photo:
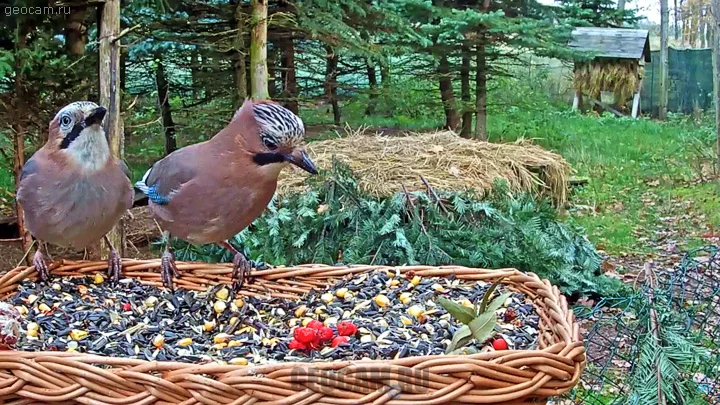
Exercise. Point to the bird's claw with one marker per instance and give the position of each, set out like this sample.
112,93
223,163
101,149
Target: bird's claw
41,266
168,270
241,271
114,266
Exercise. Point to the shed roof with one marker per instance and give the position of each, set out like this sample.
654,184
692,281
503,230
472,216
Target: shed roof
623,43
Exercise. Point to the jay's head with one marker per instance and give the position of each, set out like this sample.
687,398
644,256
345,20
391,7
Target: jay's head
280,136
78,127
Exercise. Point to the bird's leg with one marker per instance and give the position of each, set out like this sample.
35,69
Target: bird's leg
114,262
168,270
241,266
40,264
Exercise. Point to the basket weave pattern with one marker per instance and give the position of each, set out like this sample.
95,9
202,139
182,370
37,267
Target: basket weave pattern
507,377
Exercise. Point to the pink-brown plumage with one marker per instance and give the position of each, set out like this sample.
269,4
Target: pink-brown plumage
209,192
72,190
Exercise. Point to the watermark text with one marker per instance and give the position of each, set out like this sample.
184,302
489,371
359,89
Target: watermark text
10,11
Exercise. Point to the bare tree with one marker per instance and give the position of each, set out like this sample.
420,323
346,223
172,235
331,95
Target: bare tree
664,16
715,10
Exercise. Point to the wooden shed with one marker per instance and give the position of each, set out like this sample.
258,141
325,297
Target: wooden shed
618,56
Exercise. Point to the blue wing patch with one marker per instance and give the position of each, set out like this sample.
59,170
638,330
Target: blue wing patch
156,197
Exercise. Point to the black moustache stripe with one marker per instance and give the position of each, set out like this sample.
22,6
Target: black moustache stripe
77,129
263,159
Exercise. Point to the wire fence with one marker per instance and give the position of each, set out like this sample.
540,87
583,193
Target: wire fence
660,345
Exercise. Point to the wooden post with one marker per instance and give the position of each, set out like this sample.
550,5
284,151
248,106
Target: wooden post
576,100
109,75
636,104
258,51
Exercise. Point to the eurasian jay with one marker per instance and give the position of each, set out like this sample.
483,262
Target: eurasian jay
73,190
210,191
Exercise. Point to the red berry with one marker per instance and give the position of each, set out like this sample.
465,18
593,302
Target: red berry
510,315
295,345
315,344
326,334
126,306
315,324
304,335
346,328
339,340
500,344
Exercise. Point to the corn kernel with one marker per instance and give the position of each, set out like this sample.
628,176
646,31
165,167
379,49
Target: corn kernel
349,296
306,321
233,320
405,320
33,326
269,341
221,338
31,299
222,294
43,307
22,310
77,334
437,287
82,289
98,279
467,303
219,307
238,361
327,297
300,311
234,343
341,292
151,301
394,282
415,311
239,302
208,326
382,300
33,333
56,286
158,341
405,297
184,342
319,310
415,280
218,346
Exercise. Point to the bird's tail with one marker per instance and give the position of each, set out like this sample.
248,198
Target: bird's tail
141,185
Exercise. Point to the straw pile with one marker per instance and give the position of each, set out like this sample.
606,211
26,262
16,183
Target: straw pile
383,164
622,77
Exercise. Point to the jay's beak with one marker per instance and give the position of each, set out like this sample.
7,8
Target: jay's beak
301,159
95,117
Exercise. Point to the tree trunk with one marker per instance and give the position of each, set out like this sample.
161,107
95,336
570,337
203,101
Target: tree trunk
272,70
331,82
481,90
385,75
75,31
258,51
675,19
238,58
18,127
465,92
452,119
704,24
664,16
165,109
289,80
715,11
109,76
373,84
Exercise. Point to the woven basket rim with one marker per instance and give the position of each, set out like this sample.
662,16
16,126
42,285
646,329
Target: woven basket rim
509,376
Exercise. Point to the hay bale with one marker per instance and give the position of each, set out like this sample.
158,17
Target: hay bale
622,77
383,164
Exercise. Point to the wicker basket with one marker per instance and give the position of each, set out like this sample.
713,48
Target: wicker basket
507,377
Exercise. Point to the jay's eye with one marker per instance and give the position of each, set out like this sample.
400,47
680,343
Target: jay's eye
65,121
270,144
